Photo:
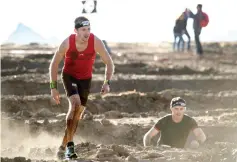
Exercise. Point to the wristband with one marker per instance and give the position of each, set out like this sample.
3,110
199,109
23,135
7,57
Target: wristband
107,82
53,85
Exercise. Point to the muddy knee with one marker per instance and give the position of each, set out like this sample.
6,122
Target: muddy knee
80,110
74,102
71,112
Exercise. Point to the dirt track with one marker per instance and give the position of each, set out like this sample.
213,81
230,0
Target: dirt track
143,84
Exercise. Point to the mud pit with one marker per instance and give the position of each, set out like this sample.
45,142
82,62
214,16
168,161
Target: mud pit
144,82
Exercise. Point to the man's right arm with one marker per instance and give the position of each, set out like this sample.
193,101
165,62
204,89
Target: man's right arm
58,56
148,136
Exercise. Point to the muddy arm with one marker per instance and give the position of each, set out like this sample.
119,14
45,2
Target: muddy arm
200,135
148,136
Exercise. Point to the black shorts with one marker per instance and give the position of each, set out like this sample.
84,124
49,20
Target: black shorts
75,86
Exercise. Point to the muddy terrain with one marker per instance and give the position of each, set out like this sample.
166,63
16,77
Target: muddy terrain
146,78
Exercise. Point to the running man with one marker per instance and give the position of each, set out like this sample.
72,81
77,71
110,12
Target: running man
175,127
79,53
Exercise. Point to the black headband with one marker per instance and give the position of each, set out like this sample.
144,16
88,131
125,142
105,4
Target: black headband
178,103
82,24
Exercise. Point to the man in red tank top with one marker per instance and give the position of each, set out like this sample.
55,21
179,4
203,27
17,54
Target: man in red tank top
79,53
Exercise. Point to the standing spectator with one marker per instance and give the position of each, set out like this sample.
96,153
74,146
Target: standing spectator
198,18
178,31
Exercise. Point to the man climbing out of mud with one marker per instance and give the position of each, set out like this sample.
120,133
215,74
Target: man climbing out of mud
175,127
79,53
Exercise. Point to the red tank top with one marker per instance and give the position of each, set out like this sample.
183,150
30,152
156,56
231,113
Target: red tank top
79,64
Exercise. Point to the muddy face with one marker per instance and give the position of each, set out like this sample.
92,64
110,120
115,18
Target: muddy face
178,112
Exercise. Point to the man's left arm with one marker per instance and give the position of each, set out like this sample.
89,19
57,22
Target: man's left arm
190,14
200,135
106,58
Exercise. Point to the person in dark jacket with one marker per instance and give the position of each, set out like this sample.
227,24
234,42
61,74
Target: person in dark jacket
178,31
197,18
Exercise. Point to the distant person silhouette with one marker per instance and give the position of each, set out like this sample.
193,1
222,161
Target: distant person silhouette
178,31
198,19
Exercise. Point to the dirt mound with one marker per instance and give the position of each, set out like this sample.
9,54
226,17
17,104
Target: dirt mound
97,104
37,84
128,102
222,48
114,139
40,64
121,153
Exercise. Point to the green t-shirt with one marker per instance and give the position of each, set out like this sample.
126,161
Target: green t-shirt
175,134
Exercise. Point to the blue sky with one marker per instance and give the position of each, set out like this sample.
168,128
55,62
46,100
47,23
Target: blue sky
119,20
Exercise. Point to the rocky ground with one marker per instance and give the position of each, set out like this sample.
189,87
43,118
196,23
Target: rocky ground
146,78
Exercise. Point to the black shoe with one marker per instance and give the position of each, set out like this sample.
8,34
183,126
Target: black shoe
70,152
